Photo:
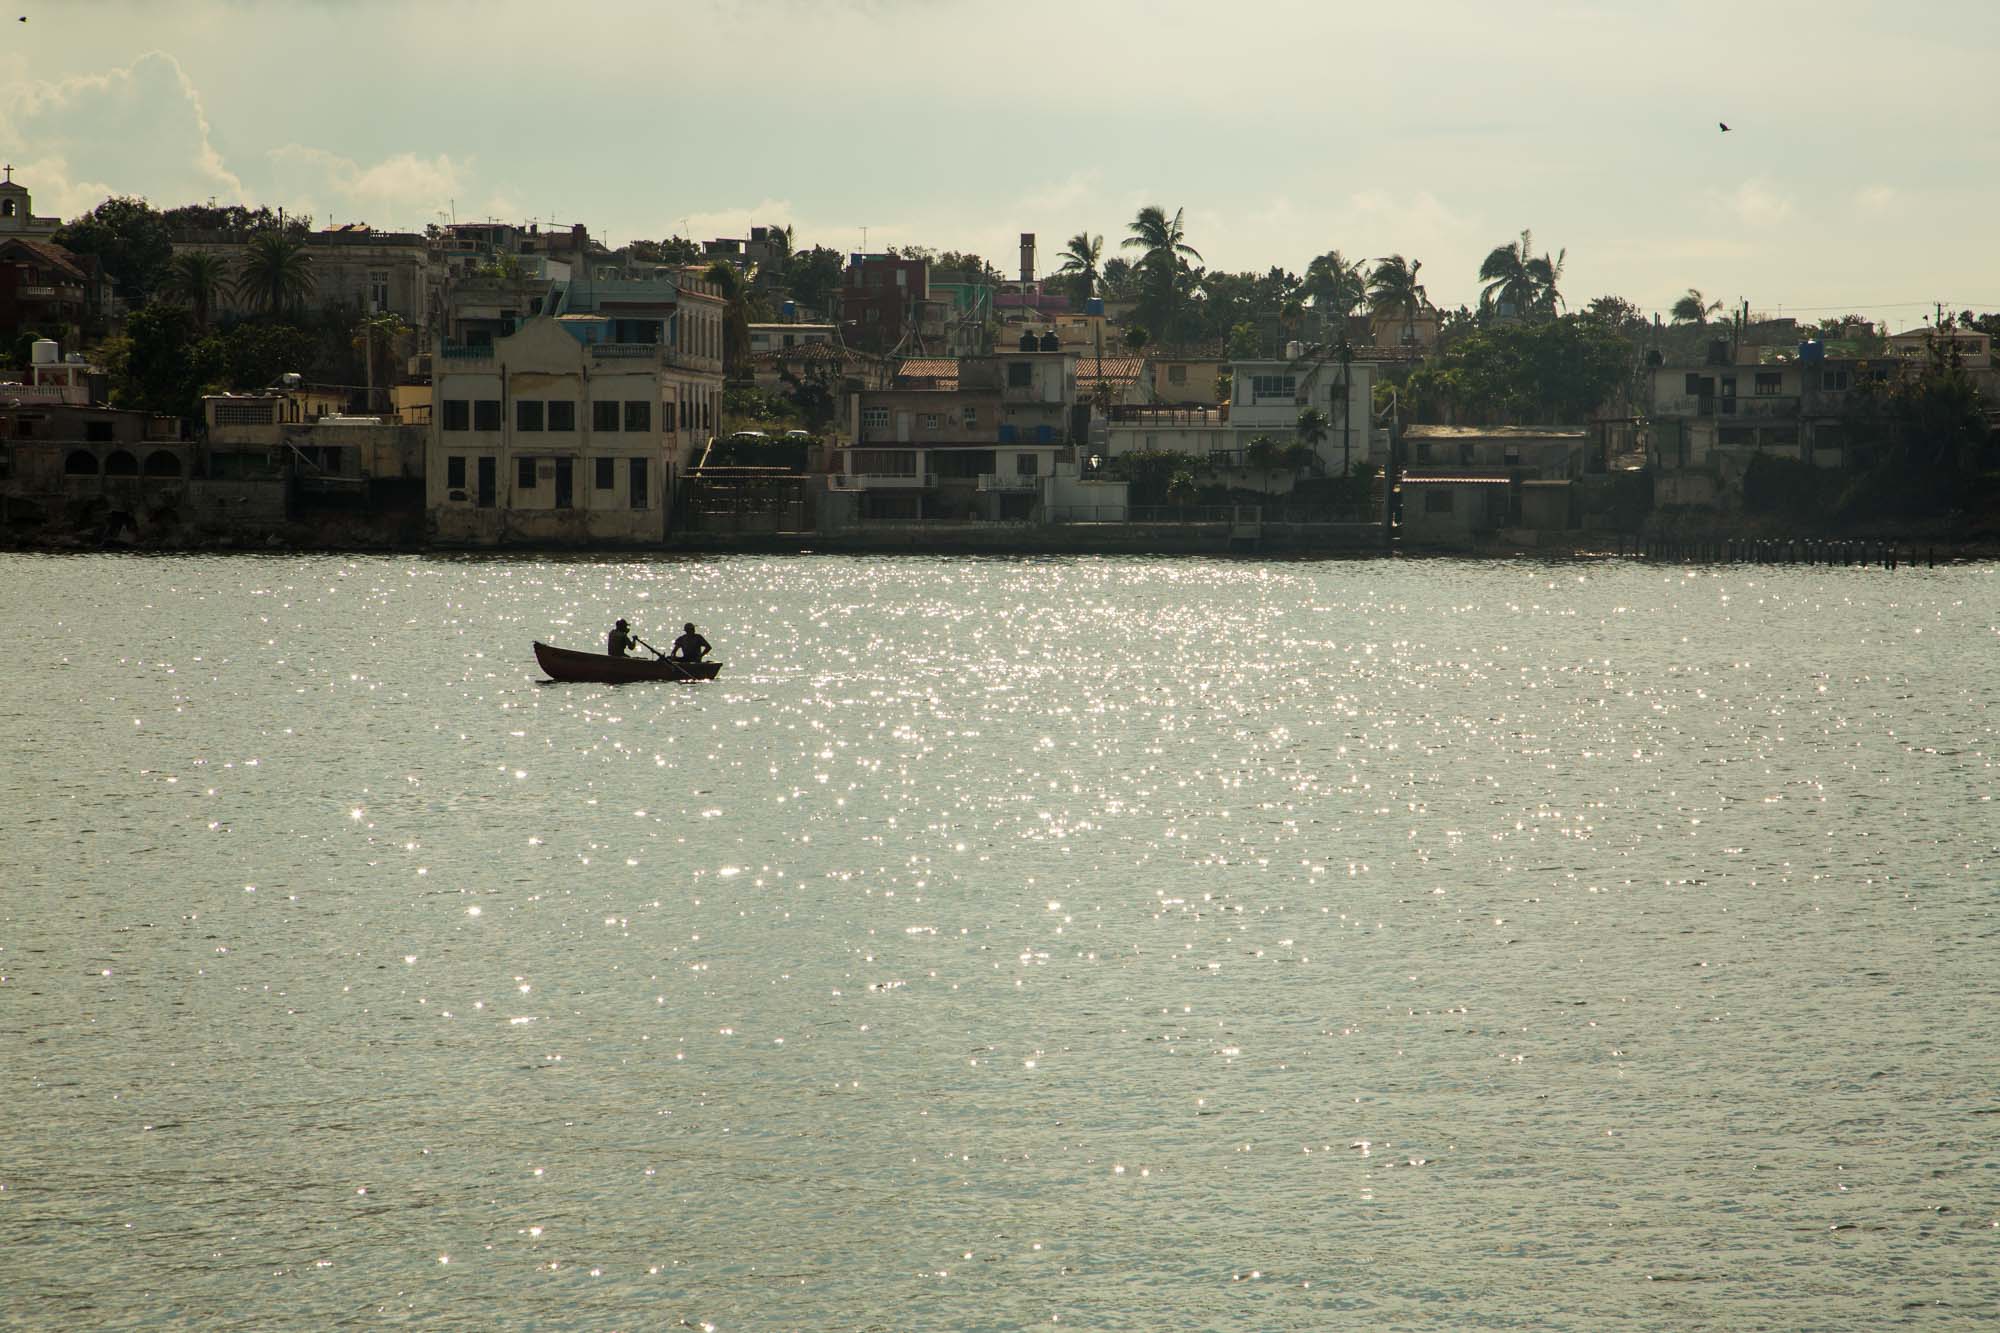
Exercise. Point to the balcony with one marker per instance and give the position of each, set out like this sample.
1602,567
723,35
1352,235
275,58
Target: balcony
1763,406
627,351
878,481
464,353
991,481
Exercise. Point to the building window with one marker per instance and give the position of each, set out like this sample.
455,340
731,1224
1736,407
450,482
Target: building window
1769,384
604,416
1694,384
1465,458
1437,500
562,414
1177,374
528,414
98,432
638,473
378,291
1020,374
1834,379
524,474
457,414
1274,386
875,418
454,472
1027,465
971,417
565,482
1511,455
638,415
933,421
486,414
607,473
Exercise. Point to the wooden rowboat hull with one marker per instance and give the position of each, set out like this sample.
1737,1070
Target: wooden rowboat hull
602,669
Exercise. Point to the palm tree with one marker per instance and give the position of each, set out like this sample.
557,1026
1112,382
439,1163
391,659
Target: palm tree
1079,264
199,278
1163,271
1546,274
1393,289
735,320
1505,273
1515,275
1693,308
1335,286
277,272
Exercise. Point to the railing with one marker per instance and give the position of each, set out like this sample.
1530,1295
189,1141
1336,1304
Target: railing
466,351
1768,405
876,481
626,351
994,481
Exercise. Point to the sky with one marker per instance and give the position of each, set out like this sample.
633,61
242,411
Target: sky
1859,173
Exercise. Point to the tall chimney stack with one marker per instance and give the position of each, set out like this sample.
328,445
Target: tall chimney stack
1027,256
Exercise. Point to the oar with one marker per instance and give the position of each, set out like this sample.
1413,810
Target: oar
649,648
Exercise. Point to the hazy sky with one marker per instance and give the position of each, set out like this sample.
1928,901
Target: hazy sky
1860,172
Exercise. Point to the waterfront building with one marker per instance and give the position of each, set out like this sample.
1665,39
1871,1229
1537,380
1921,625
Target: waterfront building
1267,396
573,428
353,265
780,337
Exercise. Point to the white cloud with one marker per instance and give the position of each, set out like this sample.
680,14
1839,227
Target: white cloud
141,127
398,191
1754,203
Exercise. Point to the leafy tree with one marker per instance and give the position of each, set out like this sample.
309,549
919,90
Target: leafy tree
813,276
1180,487
1150,472
1115,281
1165,278
1136,337
1694,308
1614,312
201,222
377,330
162,366
1313,428
1244,344
256,353
970,267
277,273
1557,373
1079,264
1264,454
198,278
129,238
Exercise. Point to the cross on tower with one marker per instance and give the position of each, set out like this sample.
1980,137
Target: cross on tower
10,174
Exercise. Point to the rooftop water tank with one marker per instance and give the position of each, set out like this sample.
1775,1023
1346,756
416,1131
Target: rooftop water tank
790,310
1294,350
1093,305
1051,343
1028,342
1812,351
44,351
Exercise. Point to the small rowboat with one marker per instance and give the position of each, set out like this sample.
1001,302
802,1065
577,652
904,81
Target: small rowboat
568,664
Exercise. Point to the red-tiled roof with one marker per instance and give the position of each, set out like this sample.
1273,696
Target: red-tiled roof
50,252
1110,370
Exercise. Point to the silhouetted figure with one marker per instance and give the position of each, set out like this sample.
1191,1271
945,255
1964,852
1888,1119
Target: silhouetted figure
620,640
1725,128
690,646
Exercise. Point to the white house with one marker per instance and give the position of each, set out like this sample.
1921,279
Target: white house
1266,399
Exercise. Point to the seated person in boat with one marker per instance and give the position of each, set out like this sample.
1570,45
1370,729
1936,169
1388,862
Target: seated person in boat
620,641
690,646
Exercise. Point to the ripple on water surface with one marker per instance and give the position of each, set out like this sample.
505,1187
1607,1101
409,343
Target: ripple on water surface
1126,942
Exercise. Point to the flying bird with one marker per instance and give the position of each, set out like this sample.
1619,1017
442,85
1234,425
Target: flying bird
1725,128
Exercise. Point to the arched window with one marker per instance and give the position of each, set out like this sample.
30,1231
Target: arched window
7,209
80,463
121,464
160,463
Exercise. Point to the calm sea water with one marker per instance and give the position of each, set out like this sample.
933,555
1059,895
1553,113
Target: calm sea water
1112,943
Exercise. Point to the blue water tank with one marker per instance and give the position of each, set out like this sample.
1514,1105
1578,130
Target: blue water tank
1812,351
1006,435
790,310
1094,306
1045,435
